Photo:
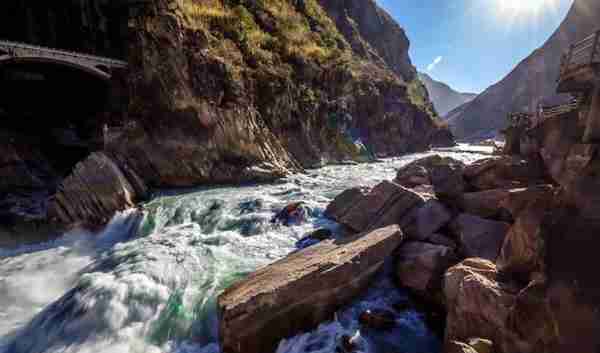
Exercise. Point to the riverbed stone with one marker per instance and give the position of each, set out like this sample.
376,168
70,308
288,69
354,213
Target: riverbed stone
383,205
479,237
301,291
95,190
421,265
424,221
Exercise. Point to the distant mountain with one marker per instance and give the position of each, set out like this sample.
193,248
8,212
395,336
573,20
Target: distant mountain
531,82
444,97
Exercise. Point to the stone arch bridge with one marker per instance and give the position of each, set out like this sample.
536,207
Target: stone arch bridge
101,67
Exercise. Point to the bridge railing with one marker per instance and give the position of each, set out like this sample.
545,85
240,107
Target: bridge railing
58,52
520,119
547,112
556,110
585,52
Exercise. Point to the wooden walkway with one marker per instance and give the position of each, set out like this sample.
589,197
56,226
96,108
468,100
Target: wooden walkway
580,65
530,120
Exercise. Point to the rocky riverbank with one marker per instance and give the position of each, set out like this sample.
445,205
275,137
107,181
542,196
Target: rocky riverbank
503,247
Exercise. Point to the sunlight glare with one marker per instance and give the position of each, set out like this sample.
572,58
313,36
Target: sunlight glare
518,8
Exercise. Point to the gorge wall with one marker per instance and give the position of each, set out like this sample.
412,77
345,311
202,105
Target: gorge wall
231,91
531,82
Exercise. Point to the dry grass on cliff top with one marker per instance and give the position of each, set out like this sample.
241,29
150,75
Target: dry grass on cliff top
292,34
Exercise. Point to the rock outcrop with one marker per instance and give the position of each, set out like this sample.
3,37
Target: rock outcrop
302,290
531,82
95,190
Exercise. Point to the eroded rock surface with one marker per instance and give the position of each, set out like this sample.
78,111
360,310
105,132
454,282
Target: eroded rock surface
300,291
95,190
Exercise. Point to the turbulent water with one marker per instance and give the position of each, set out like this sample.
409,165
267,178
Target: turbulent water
149,281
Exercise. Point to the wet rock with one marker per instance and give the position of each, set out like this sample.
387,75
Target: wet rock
300,291
95,190
420,266
314,238
505,172
347,345
424,221
381,320
293,213
381,206
479,237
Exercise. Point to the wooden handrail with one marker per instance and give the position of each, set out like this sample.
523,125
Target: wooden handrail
584,52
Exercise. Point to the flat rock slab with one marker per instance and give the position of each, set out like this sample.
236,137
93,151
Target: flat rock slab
301,291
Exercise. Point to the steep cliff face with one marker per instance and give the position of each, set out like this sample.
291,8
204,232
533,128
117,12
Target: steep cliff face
531,82
444,97
239,90
271,85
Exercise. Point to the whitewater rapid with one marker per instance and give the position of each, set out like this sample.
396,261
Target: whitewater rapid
149,281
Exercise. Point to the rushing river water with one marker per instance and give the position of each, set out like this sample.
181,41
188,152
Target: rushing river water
148,283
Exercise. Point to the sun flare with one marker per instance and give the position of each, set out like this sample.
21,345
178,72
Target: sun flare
523,7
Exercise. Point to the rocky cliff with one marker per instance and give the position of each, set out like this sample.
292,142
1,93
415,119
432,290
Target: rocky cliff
531,82
231,91
444,97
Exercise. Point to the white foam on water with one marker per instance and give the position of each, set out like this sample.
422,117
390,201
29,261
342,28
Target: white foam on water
154,289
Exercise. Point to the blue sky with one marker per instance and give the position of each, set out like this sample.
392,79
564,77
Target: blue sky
472,44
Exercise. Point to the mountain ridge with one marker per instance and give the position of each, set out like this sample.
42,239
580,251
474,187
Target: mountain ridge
444,98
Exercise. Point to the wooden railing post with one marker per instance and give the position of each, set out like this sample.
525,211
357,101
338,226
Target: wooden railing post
595,47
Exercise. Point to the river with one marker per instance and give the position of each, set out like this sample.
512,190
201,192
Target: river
148,282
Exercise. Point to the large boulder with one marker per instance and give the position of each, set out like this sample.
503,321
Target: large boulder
479,237
486,204
383,205
95,190
447,179
299,292
424,221
345,201
502,203
504,172
421,266
478,304
484,303
522,251
432,170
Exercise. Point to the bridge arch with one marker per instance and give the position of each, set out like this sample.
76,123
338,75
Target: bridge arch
58,105
89,69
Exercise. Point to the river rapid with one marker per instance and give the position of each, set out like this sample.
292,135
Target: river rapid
149,281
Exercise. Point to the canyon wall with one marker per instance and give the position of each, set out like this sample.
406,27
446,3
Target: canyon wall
233,91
